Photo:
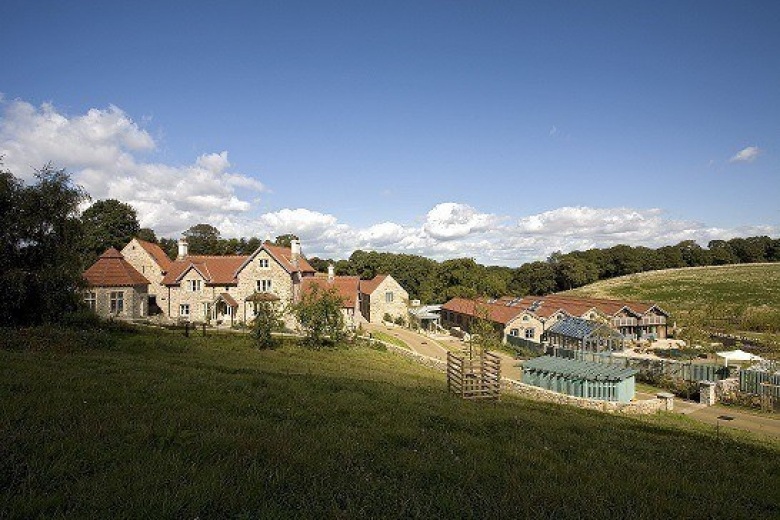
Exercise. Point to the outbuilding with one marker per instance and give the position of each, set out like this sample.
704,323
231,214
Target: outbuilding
585,335
581,378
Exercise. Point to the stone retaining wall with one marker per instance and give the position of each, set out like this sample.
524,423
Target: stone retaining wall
643,407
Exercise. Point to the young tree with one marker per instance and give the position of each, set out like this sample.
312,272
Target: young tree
40,269
319,315
484,334
267,320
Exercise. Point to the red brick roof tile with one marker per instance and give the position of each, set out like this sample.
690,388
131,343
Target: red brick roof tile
156,252
216,270
112,270
346,287
369,286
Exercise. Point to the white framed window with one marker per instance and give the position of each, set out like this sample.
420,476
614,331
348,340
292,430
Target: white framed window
530,333
194,285
91,300
514,332
184,310
116,302
263,263
264,285
389,297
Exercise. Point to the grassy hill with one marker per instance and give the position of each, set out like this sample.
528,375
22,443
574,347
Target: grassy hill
158,425
742,297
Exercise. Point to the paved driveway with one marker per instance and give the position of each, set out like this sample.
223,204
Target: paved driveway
437,348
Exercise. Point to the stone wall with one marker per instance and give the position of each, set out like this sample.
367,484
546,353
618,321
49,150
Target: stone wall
378,306
143,262
134,301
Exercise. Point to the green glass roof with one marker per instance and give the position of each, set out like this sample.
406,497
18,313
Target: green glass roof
576,369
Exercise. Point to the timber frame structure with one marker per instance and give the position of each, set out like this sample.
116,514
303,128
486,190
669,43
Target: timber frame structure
474,376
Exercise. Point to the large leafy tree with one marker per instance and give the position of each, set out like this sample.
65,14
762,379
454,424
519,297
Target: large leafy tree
40,270
285,240
203,239
108,223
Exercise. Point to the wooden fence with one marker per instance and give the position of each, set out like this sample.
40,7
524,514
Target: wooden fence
477,377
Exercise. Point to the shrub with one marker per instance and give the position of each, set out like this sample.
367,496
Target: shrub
400,321
387,318
319,315
267,321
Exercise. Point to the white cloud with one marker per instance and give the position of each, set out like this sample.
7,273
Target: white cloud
450,220
103,149
747,154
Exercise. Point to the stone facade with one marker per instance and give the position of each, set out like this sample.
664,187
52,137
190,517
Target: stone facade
145,264
388,297
133,301
525,326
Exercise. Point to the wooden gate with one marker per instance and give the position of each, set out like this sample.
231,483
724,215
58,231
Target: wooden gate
474,377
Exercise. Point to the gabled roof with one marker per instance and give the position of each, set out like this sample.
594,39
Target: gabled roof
112,270
369,286
346,287
496,312
156,252
225,297
579,328
283,255
215,270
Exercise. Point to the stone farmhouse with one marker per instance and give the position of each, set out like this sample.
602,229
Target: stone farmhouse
225,289
530,317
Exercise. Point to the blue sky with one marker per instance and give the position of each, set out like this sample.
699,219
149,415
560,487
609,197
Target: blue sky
496,130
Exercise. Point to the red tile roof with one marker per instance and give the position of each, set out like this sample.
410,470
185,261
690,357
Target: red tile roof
369,286
546,306
156,252
216,270
496,312
346,287
112,270
283,255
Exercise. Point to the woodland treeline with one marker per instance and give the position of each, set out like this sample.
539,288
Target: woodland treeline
111,222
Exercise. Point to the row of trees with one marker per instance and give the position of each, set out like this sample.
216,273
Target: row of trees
111,222
428,280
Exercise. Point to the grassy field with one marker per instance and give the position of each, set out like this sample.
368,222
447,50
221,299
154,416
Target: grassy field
159,426
734,298
387,338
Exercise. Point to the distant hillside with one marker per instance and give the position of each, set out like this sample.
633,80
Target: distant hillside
738,297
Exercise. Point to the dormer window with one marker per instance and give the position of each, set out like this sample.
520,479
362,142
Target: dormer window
194,285
526,318
263,263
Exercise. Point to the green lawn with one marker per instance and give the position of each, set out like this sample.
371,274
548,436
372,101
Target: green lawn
161,426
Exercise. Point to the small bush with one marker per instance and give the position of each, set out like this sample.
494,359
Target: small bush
387,318
400,321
